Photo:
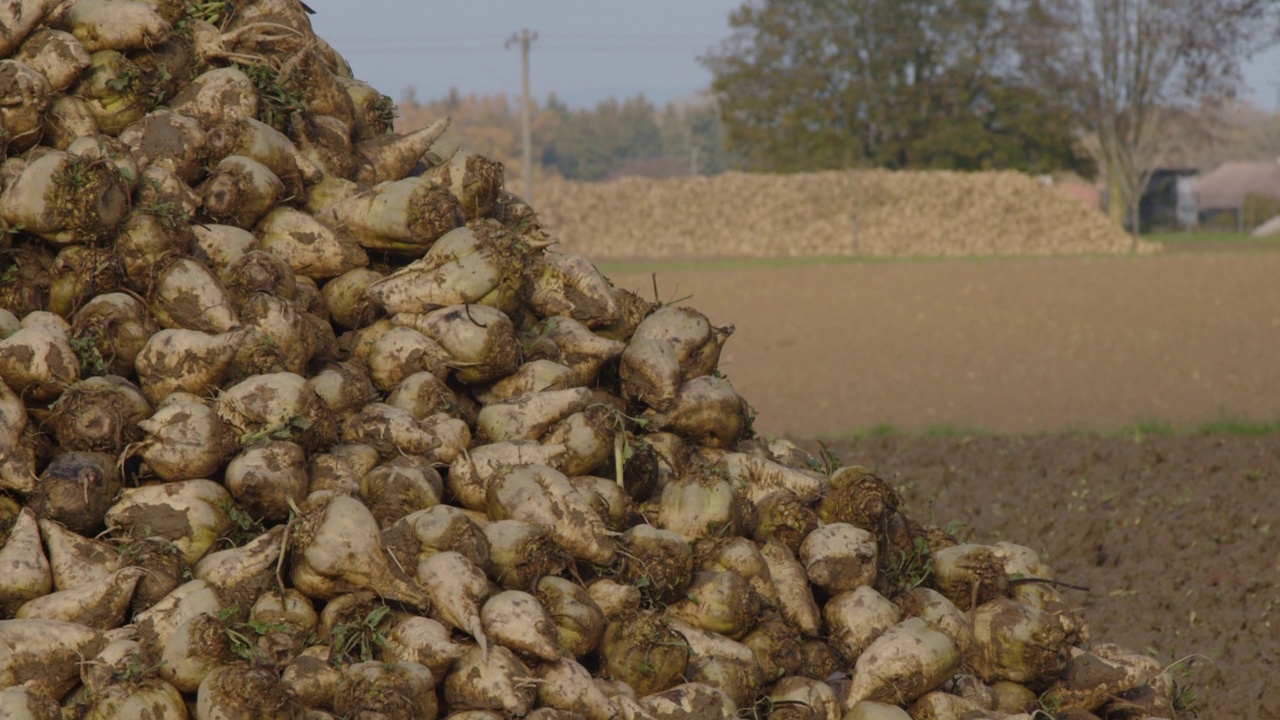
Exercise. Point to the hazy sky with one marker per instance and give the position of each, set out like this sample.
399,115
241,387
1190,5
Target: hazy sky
586,50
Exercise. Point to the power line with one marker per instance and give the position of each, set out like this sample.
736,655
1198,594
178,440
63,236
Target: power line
603,37
416,51
586,49
584,43
620,48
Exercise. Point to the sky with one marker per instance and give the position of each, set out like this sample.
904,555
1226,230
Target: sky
585,51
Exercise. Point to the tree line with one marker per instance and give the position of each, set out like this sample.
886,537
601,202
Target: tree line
972,84
615,138
1104,88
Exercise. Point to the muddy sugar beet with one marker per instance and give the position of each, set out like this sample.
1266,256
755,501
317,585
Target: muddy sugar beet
303,416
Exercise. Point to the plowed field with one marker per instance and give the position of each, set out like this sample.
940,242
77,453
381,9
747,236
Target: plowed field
1011,346
1175,537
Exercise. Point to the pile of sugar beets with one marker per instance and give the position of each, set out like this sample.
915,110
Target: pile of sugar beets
300,418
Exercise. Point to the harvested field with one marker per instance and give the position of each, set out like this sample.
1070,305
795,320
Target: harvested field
872,213
1012,346
325,428
1173,536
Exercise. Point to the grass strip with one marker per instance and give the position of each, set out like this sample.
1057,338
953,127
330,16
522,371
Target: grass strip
1174,238
1155,428
618,267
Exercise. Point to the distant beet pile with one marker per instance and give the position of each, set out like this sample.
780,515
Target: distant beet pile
867,213
299,419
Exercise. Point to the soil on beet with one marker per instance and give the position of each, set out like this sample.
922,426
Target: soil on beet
1175,537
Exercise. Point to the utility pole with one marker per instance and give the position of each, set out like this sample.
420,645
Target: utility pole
525,38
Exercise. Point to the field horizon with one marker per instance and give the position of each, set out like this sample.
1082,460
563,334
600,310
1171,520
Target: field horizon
1008,345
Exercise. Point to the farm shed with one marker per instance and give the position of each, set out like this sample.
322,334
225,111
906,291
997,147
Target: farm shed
1158,208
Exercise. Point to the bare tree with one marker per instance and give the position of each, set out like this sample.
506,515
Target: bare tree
1127,64
1257,137
1218,133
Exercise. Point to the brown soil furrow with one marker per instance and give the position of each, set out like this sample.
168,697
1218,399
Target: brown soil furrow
1173,536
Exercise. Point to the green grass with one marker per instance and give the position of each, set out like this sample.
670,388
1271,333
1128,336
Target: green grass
1219,426
1230,426
1173,238
610,267
614,267
644,266
956,431
881,430
933,431
1154,428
